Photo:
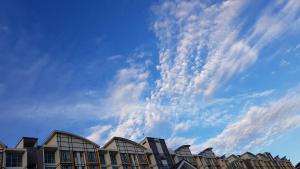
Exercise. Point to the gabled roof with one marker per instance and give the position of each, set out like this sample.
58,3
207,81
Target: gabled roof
284,158
125,140
262,155
181,163
183,146
208,153
277,157
223,157
232,156
70,134
249,154
207,149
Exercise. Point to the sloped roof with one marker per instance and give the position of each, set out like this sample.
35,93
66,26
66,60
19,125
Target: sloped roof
70,134
123,139
183,146
232,156
208,153
262,155
284,158
277,157
205,150
223,157
251,154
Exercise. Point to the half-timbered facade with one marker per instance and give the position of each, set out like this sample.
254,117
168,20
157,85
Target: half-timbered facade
64,150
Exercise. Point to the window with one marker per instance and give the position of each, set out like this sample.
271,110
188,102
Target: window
135,164
113,158
207,161
149,159
1,158
144,167
124,158
142,158
133,159
126,166
65,156
79,158
164,162
13,160
102,159
79,167
49,157
82,161
75,157
92,156
66,167
93,167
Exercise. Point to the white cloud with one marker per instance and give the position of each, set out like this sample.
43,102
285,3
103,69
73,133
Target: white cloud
284,63
272,23
97,133
260,94
125,102
201,47
186,29
183,126
114,57
259,125
175,142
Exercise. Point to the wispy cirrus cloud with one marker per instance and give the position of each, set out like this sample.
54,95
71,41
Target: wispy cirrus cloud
115,57
259,125
201,47
126,100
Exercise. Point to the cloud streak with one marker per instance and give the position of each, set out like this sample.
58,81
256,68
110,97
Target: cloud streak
259,125
201,47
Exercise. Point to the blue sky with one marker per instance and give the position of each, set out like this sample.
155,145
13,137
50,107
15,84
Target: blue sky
208,73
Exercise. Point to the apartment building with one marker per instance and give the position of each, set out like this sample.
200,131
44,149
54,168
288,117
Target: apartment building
207,159
64,150
235,162
161,154
184,153
2,147
126,154
251,160
13,158
259,161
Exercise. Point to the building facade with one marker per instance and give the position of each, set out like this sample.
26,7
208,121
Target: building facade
161,154
207,159
126,154
64,150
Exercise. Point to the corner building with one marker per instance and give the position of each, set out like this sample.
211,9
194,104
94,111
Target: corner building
64,150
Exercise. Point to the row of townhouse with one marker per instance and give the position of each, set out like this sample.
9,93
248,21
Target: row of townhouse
64,150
